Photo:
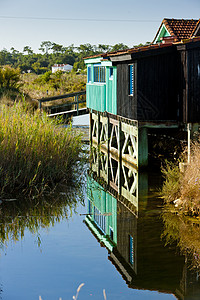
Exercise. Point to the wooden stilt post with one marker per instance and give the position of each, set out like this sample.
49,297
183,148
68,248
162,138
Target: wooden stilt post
40,105
189,138
142,147
108,149
120,156
90,128
77,104
98,144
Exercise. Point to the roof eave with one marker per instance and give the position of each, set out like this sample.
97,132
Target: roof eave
196,29
124,57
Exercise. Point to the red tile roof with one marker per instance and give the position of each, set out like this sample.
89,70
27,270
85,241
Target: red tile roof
147,48
181,31
180,28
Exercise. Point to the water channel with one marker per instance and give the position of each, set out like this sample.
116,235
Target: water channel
97,236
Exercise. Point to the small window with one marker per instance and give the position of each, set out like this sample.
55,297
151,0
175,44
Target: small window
99,219
131,250
111,73
89,74
131,79
99,73
89,207
111,233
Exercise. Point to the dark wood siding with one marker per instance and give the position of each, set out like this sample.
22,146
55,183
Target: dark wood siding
156,87
193,57
190,81
126,104
126,226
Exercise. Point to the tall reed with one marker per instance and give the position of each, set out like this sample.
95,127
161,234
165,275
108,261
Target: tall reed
183,188
36,152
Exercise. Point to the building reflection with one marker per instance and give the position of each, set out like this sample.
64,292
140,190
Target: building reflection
124,214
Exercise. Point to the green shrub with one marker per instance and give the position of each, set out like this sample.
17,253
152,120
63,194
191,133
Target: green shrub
10,79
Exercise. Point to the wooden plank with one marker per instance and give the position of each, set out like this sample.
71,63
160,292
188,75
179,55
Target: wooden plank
69,113
126,158
125,57
133,130
66,104
114,122
47,99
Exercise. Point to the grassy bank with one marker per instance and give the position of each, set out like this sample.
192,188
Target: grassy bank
183,231
37,86
183,188
35,152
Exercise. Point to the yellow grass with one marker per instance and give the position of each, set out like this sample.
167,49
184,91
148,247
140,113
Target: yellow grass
184,187
36,152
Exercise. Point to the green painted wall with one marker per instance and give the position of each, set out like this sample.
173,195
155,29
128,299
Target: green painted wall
105,203
102,96
162,33
96,96
111,206
111,91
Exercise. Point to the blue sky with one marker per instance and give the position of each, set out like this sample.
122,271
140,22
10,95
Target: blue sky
18,31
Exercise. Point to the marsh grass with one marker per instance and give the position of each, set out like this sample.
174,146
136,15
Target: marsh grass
184,187
75,297
184,231
171,186
36,152
36,86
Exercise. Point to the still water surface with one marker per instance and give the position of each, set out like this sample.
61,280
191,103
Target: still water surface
68,255
50,247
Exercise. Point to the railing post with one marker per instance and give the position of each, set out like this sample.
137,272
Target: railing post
40,105
77,104
119,156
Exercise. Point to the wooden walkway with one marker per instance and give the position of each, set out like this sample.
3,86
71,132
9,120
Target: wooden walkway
61,109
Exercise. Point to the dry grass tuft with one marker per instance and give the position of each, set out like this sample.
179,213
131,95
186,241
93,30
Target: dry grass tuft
78,290
184,186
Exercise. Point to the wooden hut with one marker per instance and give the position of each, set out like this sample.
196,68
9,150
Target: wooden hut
156,85
150,83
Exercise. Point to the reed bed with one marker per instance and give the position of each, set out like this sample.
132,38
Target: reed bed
36,152
183,188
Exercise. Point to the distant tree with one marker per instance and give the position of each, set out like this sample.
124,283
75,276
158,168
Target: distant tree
45,46
5,57
28,50
141,44
14,51
36,67
79,65
71,49
104,48
118,47
86,50
57,48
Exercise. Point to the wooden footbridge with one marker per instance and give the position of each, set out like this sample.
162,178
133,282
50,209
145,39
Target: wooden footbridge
68,107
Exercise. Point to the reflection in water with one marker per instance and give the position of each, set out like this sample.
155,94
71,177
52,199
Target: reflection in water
35,214
185,232
125,216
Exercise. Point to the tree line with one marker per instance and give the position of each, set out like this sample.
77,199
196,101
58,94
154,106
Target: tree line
52,53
